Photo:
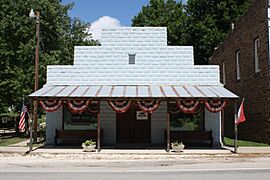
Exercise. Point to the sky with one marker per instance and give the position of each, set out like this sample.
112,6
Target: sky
106,13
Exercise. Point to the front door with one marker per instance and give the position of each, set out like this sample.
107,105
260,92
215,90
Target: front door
133,126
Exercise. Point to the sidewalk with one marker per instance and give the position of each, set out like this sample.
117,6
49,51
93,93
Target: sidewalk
23,148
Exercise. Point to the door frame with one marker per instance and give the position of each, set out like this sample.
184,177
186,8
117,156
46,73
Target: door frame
134,108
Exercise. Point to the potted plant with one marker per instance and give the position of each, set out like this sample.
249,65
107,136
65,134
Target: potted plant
89,145
177,147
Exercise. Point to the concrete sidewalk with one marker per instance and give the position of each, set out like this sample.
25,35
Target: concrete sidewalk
23,148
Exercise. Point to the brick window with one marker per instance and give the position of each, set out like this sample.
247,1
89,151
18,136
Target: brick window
256,55
237,59
131,58
224,72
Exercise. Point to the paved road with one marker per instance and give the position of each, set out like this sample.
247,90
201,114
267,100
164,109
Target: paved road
248,174
82,167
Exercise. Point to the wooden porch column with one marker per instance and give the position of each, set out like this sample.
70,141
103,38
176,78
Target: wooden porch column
222,124
168,127
35,117
98,128
235,127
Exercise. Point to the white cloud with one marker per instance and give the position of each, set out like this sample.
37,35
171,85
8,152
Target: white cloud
102,22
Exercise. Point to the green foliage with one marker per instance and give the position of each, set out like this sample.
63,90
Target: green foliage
89,143
186,122
58,36
230,142
208,23
177,143
168,14
11,140
200,23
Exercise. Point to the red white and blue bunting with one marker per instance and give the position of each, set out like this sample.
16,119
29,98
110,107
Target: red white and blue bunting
188,106
50,105
119,106
148,106
215,105
173,108
93,108
77,106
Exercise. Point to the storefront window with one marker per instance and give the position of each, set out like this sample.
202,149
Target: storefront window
187,122
79,121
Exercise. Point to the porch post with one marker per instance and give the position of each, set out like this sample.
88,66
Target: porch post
168,127
222,125
235,127
98,128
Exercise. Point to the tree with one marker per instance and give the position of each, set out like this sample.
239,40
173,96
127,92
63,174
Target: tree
59,33
202,24
168,14
208,23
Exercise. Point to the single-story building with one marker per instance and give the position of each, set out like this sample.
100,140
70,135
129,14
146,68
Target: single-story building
133,89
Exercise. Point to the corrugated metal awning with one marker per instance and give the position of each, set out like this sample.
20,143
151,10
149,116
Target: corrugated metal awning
165,91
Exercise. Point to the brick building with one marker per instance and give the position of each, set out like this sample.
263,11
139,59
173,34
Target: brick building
244,63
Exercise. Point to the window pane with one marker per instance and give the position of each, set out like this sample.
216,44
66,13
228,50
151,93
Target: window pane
256,55
79,121
224,73
131,58
187,122
237,65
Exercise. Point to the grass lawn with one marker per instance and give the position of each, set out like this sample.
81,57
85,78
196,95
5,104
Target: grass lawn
12,140
230,142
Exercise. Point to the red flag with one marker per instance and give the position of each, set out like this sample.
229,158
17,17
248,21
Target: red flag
241,115
22,119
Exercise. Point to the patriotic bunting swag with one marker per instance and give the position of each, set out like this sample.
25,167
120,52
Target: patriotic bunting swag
93,108
119,106
198,110
50,105
215,105
78,106
148,106
188,106
173,108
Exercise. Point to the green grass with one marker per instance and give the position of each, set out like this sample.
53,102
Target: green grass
230,142
9,141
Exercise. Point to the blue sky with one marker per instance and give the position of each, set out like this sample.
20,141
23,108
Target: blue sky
91,10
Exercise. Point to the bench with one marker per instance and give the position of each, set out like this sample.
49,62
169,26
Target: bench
76,136
191,138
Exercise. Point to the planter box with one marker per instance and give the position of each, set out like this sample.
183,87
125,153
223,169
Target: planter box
90,148
179,148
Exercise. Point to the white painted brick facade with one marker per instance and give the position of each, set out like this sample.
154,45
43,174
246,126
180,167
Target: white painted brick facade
158,124
155,62
53,121
108,123
213,123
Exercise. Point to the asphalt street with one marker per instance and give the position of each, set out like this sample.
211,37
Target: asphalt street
248,174
14,166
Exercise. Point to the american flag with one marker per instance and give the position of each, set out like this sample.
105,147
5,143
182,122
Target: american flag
22,119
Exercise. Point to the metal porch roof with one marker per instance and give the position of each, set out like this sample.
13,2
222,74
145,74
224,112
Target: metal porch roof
152,91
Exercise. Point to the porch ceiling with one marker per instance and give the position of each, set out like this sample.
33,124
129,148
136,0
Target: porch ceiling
152,91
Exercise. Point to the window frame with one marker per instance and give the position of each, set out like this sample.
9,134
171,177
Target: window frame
257,55
224,72
131,58
237,61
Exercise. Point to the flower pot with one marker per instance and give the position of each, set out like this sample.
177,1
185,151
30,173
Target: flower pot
89,148
178,148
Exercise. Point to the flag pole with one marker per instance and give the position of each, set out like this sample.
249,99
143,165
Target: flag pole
235,127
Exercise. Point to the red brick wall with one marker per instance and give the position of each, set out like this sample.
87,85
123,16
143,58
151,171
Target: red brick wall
254,87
